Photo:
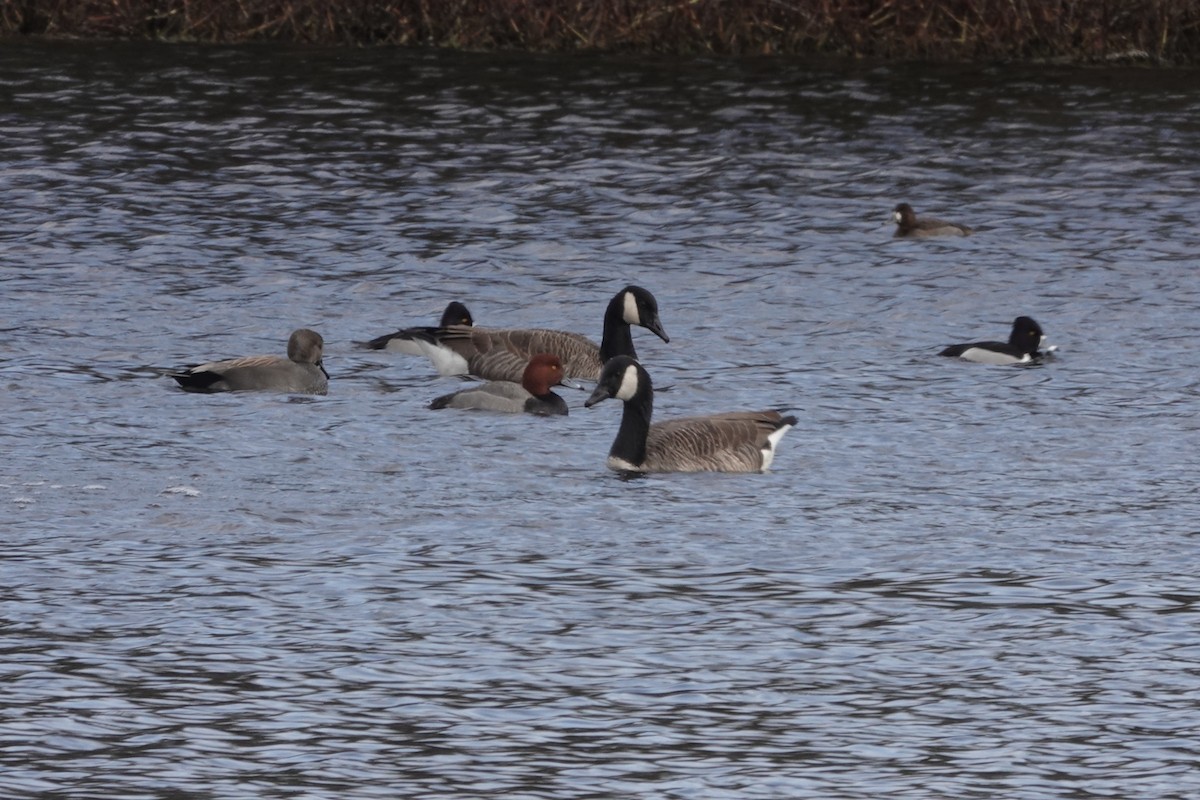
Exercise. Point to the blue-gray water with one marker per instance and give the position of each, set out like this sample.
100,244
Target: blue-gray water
957,581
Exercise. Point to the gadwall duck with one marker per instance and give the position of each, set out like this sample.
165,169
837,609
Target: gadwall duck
302,372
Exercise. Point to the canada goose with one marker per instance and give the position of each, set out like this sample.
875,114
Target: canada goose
301,372
531,396
907,224
738,441
500,354
406,340
1021,347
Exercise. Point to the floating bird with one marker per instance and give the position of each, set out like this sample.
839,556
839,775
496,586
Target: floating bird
907,224
407,340
1021,347
531,396
302,372
738,441
500,354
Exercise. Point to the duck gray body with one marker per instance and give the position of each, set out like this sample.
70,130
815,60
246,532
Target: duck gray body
735,441
302,372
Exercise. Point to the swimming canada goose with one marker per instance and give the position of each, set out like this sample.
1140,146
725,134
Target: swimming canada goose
1021,347
500,354
531,396
907,224
301,372
406,340
738,441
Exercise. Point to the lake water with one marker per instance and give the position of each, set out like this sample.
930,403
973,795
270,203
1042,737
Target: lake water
957,581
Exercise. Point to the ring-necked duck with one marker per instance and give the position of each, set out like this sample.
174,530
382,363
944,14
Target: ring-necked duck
1021,347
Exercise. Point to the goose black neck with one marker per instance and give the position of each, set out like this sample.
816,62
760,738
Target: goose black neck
617,339
630,444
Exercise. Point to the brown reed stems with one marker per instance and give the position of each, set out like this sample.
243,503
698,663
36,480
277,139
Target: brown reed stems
1160,31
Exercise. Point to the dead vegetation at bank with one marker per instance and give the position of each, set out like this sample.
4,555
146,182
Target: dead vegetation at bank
1156,31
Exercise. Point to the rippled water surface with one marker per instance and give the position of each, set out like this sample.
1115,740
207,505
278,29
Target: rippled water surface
957,581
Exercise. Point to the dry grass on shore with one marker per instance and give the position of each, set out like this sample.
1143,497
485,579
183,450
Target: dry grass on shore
1160,31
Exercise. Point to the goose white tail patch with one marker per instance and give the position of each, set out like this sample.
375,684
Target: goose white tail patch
446,361
629,383
768,452
632,316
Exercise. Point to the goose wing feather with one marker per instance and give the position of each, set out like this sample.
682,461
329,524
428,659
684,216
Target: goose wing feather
728,442
501,354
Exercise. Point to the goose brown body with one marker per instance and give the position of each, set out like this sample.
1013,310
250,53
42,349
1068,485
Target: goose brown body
302,372
728,442
735,441
502,353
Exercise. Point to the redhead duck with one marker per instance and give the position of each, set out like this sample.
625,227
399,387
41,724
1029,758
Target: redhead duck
531,396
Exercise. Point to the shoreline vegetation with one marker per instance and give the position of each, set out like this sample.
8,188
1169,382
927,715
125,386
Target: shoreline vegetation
1158,32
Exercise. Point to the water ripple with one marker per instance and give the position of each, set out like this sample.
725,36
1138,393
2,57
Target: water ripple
956,582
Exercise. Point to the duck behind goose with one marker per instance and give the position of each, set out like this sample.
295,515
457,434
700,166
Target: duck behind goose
407,340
